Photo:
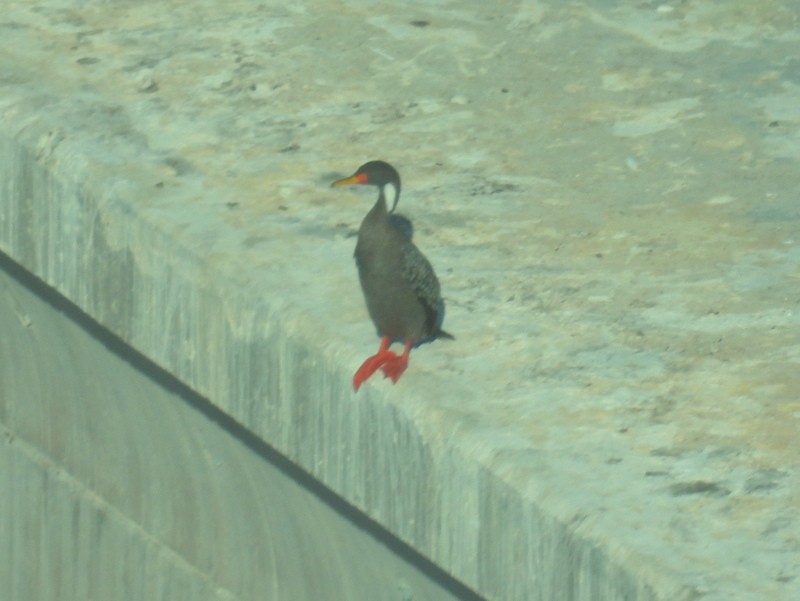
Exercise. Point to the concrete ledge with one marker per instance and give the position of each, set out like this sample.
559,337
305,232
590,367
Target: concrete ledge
609,195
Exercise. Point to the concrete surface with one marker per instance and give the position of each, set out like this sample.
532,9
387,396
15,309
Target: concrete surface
608,191
118,483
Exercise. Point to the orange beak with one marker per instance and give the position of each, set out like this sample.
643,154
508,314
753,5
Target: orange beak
359,178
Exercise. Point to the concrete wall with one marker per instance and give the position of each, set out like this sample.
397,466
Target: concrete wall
120,483
608,193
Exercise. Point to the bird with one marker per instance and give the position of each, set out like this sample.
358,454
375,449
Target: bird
400,287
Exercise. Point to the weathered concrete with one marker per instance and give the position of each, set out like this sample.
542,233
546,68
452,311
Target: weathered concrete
608,192
120,484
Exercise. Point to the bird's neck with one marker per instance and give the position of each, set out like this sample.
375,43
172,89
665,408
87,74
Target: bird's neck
378,212
377,217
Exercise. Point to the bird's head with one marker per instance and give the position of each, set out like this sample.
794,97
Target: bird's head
376,173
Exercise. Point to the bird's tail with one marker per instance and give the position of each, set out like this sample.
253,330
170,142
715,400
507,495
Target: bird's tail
439,333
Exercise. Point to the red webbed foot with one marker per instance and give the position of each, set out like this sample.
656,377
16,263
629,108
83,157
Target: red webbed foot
394,367
371,365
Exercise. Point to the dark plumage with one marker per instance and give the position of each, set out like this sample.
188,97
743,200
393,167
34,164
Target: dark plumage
400,287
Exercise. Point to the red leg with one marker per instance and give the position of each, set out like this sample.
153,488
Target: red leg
394,367
373,363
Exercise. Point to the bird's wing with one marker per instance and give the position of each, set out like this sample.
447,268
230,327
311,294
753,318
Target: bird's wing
402,224
418,272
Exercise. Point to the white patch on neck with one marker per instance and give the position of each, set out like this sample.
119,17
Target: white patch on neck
390,194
